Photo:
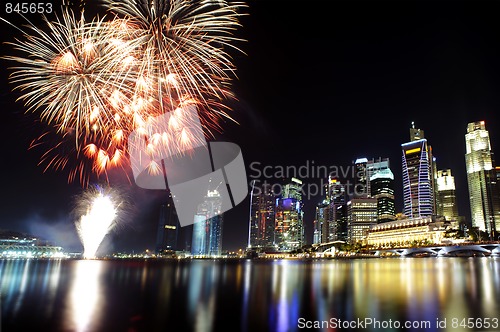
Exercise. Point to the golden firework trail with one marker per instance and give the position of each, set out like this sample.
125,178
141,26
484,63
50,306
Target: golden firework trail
95,82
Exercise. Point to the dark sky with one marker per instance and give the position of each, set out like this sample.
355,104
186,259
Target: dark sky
322,82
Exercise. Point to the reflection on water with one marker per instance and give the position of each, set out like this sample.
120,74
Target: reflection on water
202,295
206,295
85,295
20,279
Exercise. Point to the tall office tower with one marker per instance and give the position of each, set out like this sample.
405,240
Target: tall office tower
168,228
321,222
261,233
337,217
292,189
481,179
361,215
330,223
415,135
207,227
447,206
381,181
382,189
215,236
361,180
289,227
418,191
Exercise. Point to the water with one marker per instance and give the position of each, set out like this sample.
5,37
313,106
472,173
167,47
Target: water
246,295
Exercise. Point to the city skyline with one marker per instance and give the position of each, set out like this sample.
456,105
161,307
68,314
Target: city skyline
298,101
374,203
250,165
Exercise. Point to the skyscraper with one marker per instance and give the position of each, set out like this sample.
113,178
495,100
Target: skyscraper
320,232
382,187
168,228
337,216
361,214
482,179
261,232
362,208
447,206
381,180
330,223
289,228
361,180
207,227
418,190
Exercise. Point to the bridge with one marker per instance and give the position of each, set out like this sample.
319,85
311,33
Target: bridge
327,245
487,249
327,248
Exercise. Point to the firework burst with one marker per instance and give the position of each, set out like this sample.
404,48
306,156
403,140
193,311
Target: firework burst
187,41
95,82
78,77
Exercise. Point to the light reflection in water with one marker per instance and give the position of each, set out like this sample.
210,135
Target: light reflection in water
85,295
22,286
51,284
286,295
202,294
21,279
262,295
247,274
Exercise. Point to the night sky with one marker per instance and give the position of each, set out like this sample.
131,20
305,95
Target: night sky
322,82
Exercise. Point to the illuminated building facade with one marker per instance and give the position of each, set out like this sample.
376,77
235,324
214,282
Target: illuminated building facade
289,227
418,190
320,233
361,215
381,180
447,203
207,227
262,204
374,179
418,134
168,228
407,232
481,179
361,180
15,245
330,222
338,198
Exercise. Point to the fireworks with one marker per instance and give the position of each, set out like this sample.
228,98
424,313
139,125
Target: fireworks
98,209
95,82
73,78
186,42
